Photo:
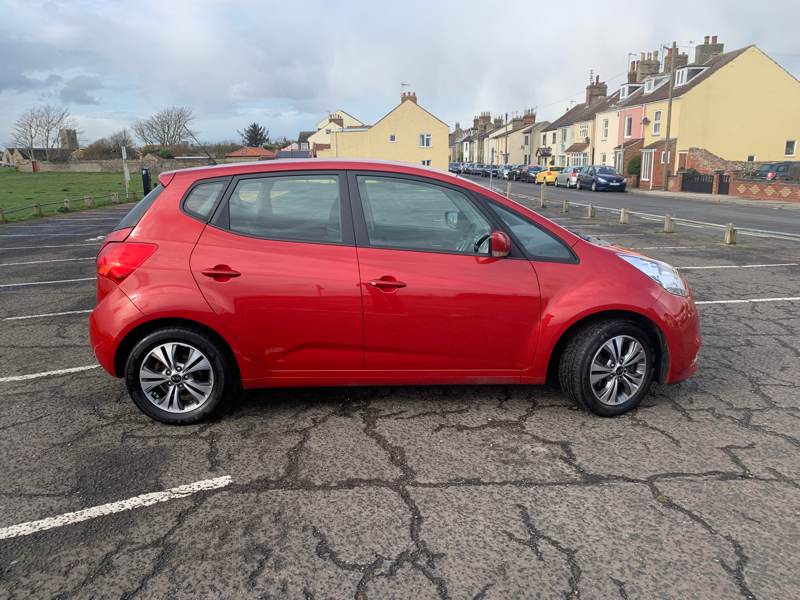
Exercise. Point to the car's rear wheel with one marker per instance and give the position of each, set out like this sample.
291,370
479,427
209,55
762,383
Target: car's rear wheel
179,376
607,367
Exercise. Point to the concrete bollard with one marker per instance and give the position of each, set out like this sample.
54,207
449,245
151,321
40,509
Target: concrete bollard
624,216
508,188
66,204
88,201
669,224
2,216
543,201
565,207
590,212
37,209
730,234
115,198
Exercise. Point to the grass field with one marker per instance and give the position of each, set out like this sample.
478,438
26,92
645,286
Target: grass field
18,190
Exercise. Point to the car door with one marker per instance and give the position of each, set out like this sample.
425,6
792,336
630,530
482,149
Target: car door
435,302
278,264
587,176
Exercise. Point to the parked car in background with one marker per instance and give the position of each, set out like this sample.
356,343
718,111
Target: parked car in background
568,177
454,167
600,177
779,171
548,175
528,173
279,273
505,171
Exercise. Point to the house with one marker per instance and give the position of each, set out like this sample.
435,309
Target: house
20,156
251,153
739,106
321,138
302,140
455,143
511,142
407,133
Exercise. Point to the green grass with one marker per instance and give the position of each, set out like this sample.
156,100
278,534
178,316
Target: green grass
18,190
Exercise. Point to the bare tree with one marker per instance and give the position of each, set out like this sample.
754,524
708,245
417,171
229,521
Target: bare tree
167,127
121,138
26,131
52,119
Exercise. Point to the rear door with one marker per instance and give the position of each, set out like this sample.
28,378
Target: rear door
435,303
278,265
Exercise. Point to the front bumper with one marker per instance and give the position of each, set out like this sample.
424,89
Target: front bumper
680,326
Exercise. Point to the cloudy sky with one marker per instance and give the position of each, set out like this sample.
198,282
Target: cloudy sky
285,64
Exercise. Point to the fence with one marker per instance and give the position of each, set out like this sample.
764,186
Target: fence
67,205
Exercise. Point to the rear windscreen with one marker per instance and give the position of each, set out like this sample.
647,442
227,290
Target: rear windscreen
137,212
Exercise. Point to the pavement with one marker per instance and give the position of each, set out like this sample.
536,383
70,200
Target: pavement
404,492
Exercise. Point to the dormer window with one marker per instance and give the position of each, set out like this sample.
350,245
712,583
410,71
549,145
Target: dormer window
653,83
686,74
627,89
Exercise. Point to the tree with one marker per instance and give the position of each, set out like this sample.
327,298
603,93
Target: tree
254,135
52,119
110,147
122,138
635,165
167,127
27,131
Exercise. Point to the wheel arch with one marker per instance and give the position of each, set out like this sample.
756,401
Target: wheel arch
656,335
143,329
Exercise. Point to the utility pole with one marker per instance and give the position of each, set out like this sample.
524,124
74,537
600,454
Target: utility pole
505,154
622,146
667,155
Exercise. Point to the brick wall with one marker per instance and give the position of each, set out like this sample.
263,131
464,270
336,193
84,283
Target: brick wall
761,190
708,163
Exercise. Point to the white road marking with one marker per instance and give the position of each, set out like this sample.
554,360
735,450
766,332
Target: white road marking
750,300
35,262
5,285
48,373
55,314
37,247
114,507
666,247
739,266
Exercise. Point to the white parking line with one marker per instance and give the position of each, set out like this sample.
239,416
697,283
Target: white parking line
750,300
37,247
36,262
667,247
55,314
48,373
738,266
6,285
114,507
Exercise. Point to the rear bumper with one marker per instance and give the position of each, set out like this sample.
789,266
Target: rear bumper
108,322
680,325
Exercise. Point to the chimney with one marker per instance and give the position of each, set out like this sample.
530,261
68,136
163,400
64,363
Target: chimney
632,72
412,96
648,65
707,50
498,122
596,89
529,117
338,120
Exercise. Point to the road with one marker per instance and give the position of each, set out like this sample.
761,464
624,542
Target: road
492,492
711,210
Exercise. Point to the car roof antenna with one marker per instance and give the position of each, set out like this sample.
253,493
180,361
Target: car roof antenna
211,160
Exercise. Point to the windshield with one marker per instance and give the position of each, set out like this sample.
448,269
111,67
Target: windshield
605,170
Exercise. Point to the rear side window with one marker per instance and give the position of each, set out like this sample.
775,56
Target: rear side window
137,212
538,243
203,197
296,208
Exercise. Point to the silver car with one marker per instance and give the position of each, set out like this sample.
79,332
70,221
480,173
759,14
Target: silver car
568,177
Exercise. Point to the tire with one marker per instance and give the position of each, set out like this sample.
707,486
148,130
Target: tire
583,353
217,383
555,183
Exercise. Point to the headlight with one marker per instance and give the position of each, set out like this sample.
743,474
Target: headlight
602,180
666,275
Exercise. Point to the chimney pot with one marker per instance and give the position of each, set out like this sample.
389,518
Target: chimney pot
713,39
705,39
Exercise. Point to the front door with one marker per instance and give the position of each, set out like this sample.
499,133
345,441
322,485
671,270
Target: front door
435,302
279,266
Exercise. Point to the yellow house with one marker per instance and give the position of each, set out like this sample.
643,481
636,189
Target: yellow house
408,133
606,128
333,122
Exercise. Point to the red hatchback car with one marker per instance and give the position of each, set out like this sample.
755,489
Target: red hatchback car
346,272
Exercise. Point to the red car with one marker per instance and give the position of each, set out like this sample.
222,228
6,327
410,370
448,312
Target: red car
349,272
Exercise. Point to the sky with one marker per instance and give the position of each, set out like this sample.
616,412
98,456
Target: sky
287,64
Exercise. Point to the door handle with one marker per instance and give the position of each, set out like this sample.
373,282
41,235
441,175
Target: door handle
220,272
385,283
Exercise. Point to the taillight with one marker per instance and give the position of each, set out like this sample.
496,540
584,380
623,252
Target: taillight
117,260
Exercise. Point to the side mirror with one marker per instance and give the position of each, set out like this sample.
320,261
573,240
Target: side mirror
451,219
499,244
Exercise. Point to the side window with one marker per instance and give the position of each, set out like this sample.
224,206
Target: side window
537,242
296,207
201,199
407,214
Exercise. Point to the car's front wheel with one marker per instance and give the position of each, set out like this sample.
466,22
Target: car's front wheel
179,375
608,367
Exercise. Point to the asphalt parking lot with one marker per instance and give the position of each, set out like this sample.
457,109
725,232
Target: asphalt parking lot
398,492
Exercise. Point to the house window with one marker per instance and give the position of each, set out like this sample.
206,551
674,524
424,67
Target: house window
628,126
647,164
584,131
525,140
751,158
791,146
657,123
393,138
605,129
426,163
425,140
603,158
544,139
554,138
649,85
304,146
327,132
664,157
681,76
623,92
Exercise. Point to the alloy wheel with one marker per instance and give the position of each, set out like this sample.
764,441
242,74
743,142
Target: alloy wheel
176,377
618,370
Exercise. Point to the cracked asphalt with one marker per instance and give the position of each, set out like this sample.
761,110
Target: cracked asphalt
408,492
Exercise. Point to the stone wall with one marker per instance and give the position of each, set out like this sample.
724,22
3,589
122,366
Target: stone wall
114,165
708,163
776,191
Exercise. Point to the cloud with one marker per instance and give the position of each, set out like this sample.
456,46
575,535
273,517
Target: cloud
77,90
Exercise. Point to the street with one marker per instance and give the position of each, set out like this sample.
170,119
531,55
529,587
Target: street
410,492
